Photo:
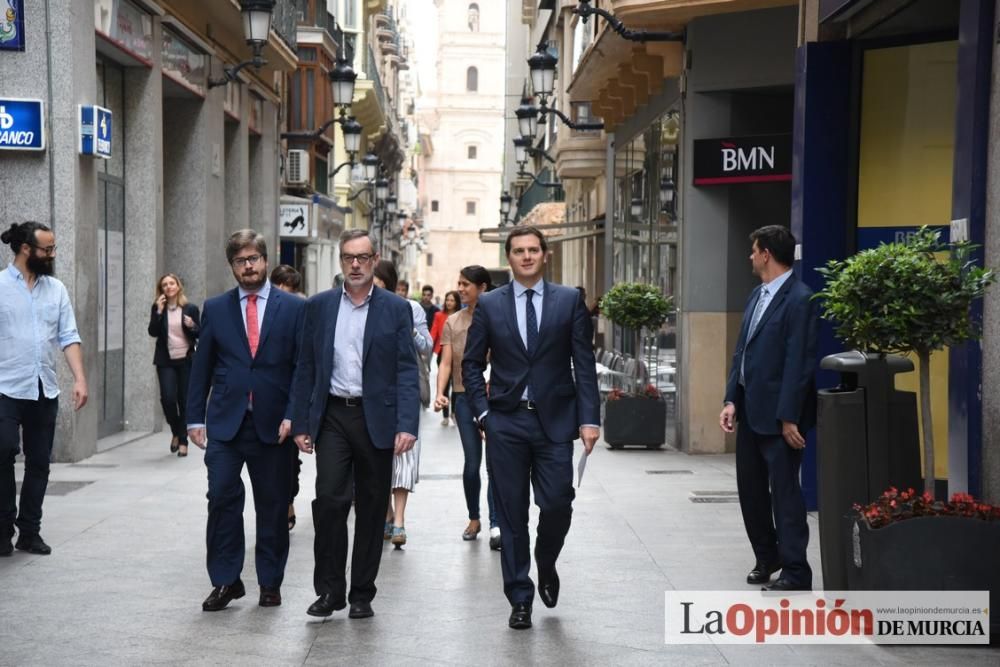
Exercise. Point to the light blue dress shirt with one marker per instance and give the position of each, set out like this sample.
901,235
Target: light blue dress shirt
347,376
34,325
262,294
766,295
521,310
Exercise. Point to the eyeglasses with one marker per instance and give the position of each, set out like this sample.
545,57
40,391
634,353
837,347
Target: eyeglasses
48,250
243,261
363,258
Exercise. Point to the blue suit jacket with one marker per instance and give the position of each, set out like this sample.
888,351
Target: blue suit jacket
564,334
223,363
390,378
780,364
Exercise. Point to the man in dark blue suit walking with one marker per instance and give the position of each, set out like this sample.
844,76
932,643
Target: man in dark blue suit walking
246,356
357,402
771,392
538,403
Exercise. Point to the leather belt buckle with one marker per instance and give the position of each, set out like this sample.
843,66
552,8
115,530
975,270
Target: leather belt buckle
352,401
529,405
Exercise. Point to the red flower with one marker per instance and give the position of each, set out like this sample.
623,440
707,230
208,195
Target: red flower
894,506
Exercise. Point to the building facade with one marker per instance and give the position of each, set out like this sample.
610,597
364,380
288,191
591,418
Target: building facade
188,163
463,141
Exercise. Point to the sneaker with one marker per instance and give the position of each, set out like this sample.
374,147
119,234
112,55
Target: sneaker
495,538
399,536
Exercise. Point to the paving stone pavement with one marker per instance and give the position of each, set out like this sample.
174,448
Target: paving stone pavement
126,578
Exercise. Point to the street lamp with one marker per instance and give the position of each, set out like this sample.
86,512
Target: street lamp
256,29
585,11
505,200
527,119
636,208
543,71
390,204
370,164
342,78
381,189
666,192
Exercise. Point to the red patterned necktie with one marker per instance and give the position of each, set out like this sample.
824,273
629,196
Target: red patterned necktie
253,333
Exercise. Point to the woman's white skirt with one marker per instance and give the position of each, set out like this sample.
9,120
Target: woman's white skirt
406,468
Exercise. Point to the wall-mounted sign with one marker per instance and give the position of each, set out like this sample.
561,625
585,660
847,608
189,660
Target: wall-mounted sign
124,24
95,131
293,219
760,159
22,124
11,25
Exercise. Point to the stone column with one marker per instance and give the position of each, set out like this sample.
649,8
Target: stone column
237,172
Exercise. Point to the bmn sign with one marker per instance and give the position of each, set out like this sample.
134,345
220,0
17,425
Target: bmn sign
761,159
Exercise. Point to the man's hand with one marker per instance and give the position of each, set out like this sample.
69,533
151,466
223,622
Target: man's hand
304,443
404,442
440,402
80,394
197,436
589,435
727,418
284,430
790,432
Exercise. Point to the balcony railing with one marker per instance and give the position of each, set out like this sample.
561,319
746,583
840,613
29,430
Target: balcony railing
372,70
285,20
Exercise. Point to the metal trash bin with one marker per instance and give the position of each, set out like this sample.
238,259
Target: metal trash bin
867,441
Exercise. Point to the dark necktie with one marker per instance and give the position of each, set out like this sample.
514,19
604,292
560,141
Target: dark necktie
531,320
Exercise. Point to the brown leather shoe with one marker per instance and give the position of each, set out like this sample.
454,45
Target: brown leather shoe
270,596
221,596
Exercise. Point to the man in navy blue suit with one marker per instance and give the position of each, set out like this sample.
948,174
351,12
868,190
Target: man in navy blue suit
771,392
538,403
357,403
246,356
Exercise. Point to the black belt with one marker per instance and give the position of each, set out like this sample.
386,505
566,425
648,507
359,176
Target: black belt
347,401
528,405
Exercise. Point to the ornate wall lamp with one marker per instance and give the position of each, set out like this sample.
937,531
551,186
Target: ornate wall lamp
256,28
584,10
543,73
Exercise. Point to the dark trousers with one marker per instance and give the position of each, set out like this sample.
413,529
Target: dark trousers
518,452
270,475
447,391
346,461
472,447
774,511
173,395
34,424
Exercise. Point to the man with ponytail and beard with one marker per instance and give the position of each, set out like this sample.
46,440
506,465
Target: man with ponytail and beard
36,320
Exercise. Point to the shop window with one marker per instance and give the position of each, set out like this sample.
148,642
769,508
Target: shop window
472,152
434,205
470,208
472,79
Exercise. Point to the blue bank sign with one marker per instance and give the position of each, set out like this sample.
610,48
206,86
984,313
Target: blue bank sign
95,131
22,125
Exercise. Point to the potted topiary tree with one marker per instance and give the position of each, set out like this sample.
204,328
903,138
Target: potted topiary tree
914,296
636,414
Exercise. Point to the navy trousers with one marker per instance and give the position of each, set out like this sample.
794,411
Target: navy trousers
518,453
774,511
269,466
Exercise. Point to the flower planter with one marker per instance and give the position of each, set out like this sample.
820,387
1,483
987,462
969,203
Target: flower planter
634,420
939,553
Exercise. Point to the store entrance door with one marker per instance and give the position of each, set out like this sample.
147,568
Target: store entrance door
111,304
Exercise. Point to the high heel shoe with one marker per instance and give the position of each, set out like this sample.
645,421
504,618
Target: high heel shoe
387,531
174,444
398,536
470,533
182,450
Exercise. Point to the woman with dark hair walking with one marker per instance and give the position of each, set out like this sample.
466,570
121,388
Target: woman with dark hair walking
452,304
472,282
173,322
405,466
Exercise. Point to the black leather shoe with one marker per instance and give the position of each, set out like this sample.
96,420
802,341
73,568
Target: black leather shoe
270,596
33,544
548,587
520,616
782,585
221,596
761,573
325,605
361,609
495,543
6,547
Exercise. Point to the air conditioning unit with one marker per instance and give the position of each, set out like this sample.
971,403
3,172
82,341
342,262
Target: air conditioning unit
297,171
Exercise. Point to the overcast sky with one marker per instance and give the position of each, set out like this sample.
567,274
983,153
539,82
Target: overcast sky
422,16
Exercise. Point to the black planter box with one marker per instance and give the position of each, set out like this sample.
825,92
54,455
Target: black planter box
940,553
633,420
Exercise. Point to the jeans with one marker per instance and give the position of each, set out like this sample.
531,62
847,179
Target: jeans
173,395
472,445
33,423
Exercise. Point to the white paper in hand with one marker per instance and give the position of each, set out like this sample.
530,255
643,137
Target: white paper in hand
580,467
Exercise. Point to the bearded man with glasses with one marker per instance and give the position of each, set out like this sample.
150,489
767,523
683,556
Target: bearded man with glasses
246,357
357,402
